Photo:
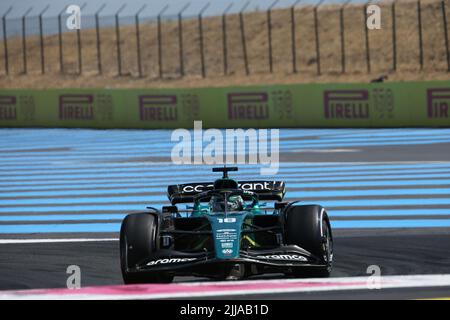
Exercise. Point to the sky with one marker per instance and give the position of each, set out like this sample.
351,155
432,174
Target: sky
153,7
170,9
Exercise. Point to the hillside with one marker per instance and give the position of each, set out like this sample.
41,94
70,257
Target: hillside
380,42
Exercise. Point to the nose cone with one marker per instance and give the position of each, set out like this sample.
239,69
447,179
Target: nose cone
226,231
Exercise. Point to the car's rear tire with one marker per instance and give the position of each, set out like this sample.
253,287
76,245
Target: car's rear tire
308,227
138,235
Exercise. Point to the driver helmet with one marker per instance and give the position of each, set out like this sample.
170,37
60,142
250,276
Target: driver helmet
234,203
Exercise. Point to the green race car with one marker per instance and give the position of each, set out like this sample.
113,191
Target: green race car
226,233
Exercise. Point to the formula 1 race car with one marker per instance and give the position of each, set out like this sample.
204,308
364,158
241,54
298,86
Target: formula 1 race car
227,233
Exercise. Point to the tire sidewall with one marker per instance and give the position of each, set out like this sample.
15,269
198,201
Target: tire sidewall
305,226
137,239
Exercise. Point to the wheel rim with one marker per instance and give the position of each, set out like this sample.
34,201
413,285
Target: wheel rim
327,245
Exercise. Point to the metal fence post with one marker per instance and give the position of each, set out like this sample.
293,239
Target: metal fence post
79,45
224,39
61,58
160,41
41,37
200,31
24,41
444,17
138,40
244,46
180,38
366,33
97,34
342,32
269,34
5,40
419,18
394,38
293,42
316,32
119,52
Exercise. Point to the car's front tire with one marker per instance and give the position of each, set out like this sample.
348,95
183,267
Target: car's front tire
308,227
138,235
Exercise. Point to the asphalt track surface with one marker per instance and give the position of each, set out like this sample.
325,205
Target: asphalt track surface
387,192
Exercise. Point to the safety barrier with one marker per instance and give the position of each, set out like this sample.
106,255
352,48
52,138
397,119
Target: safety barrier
403,104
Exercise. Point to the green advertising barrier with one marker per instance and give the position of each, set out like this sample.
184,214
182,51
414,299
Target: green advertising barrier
408,104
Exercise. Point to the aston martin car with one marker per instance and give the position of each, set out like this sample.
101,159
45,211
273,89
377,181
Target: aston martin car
228,230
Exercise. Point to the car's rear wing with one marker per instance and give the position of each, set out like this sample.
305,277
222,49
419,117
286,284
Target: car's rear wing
266,190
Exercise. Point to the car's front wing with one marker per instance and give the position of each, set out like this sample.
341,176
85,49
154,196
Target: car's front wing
278,259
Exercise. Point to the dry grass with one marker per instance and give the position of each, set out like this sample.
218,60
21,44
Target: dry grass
408,68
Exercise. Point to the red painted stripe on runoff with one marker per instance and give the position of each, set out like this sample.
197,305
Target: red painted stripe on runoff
205,289
179,288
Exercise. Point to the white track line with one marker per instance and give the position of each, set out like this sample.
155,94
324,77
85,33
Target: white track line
325,150
19,241
243,288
